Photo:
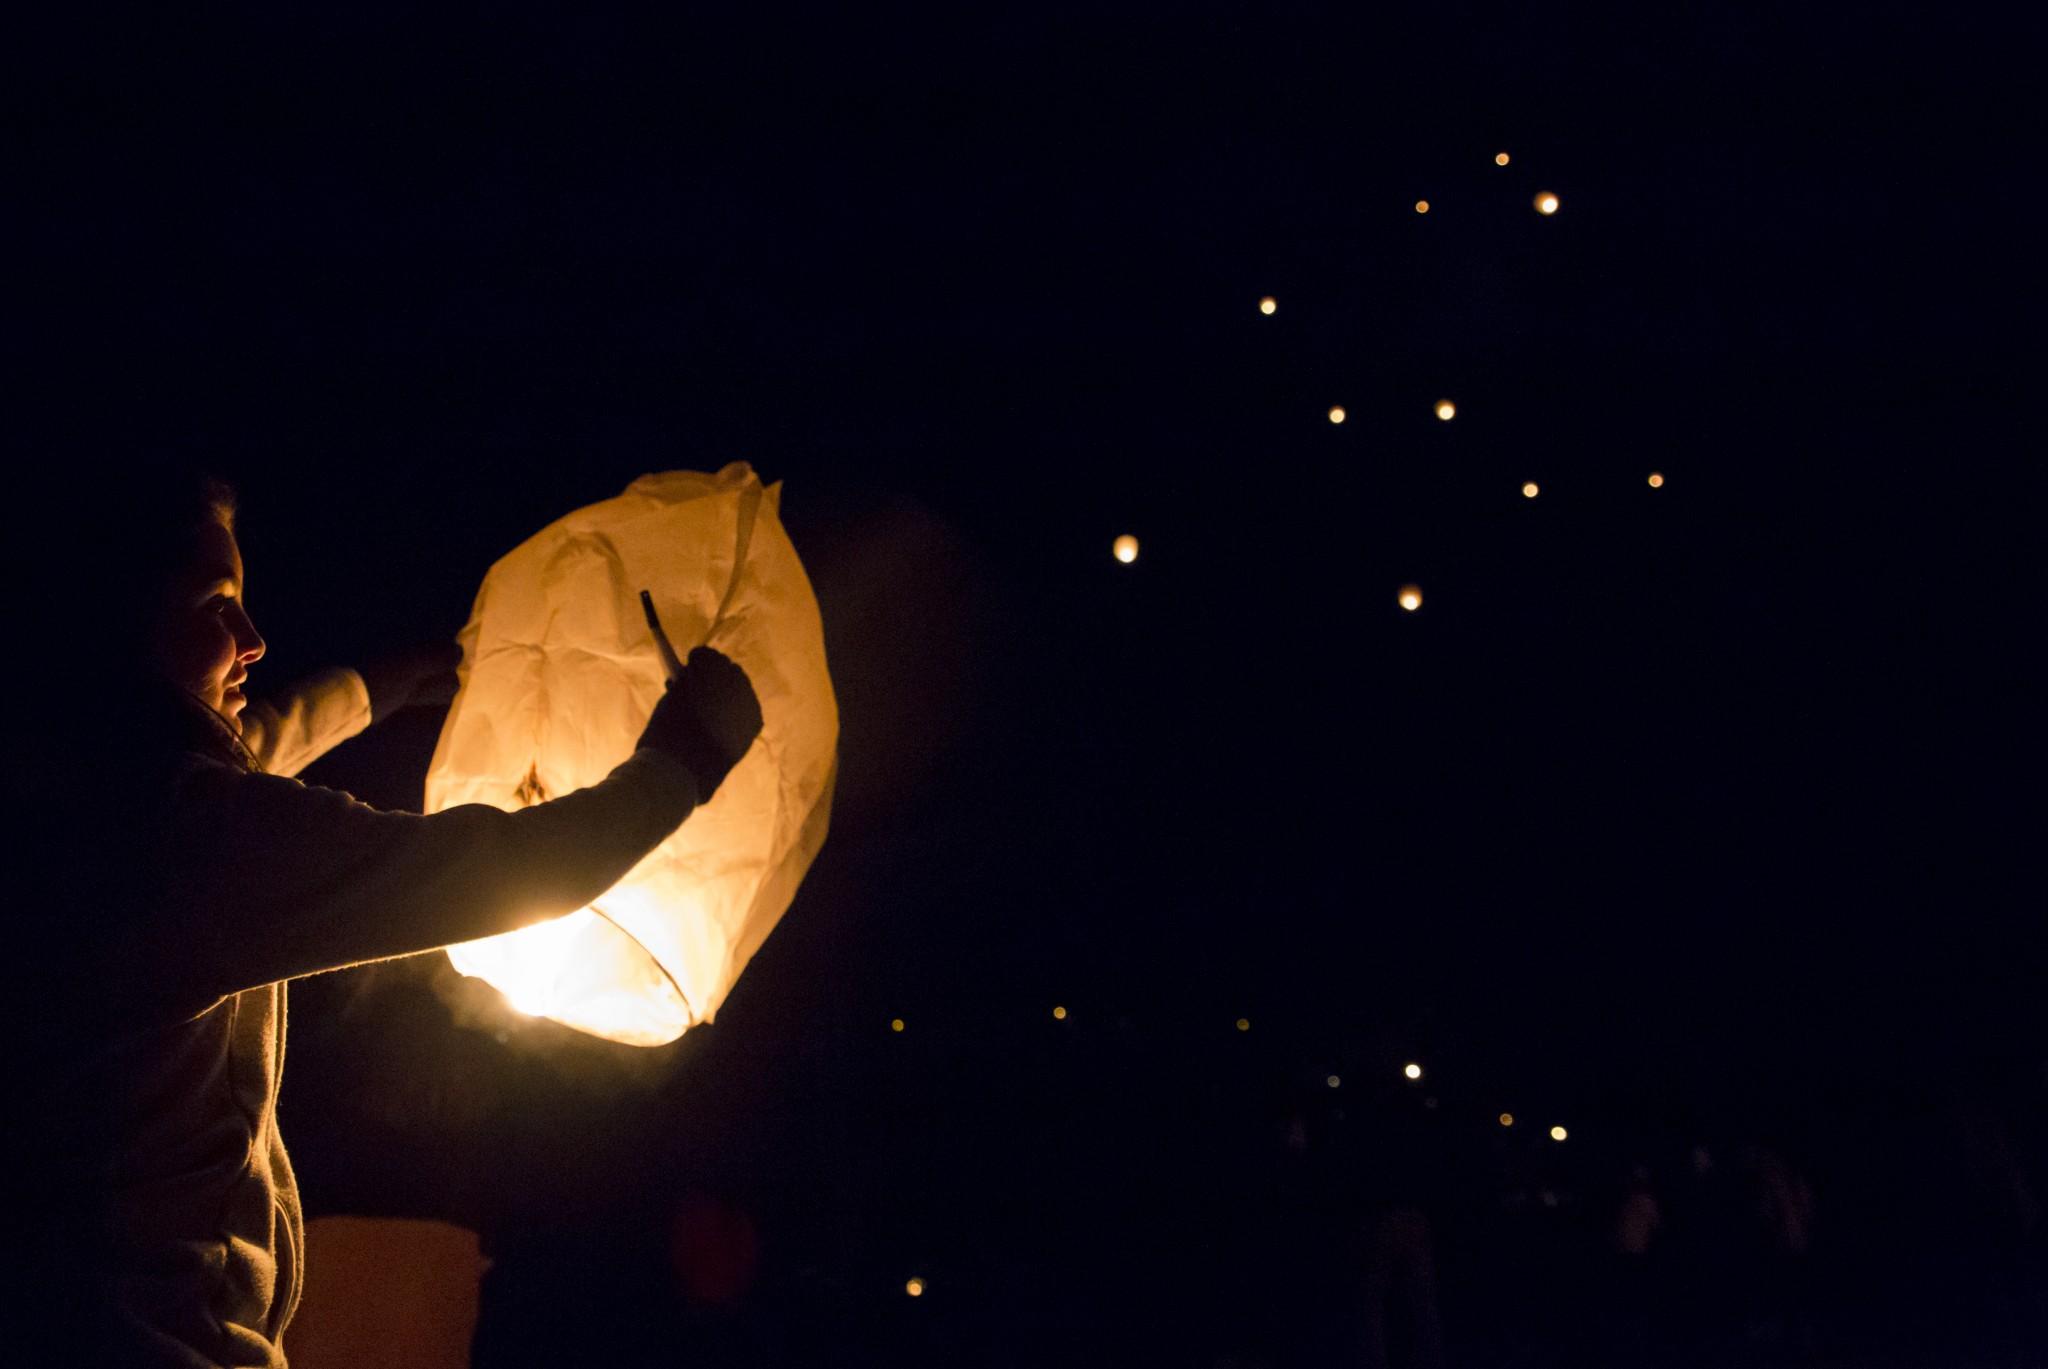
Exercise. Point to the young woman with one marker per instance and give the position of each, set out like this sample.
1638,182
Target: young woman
179,878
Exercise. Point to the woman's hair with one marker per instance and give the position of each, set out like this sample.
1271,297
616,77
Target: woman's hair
102,555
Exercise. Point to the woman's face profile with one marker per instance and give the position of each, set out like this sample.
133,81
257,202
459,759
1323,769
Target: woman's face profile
205,642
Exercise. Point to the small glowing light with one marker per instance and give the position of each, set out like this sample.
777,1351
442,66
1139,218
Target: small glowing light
1268,305
1500,159
1244,1024
1546,203
1333,1081
1529,490
1446,410
1126,549
895,1024
1411,597
1059,1014
1422,206
1507,1119
1558,1133
1412,1071
1656,480
1337,414
915,1288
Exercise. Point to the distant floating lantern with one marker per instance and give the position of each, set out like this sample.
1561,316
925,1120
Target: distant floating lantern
1529,490
1244,1024
1656,480
1059,1014
895,1024
564,656
1446,410
1337,414
1412,1071
1333,1081
1500,159
1126,549
1507,1119
1558,1133
1411,597
915,1288
1546,203
1422,206
1268,305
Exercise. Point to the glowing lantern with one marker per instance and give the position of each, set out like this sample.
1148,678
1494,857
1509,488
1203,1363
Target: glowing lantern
1558,1133
1529,490
1268,305
1411,597
1446,410
1125,549
1656,480
1059,1014
1500,159
1244,1024
1333,1081
1412,1071
1337,415
915,1288
1507,1119
895,1024
561,668
1422,206
1546,203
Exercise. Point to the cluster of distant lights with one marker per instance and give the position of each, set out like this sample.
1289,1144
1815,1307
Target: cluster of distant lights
1125,549
1409,597
1411,1071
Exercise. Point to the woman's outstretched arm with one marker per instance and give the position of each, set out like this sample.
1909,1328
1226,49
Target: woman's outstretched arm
287,732
269,879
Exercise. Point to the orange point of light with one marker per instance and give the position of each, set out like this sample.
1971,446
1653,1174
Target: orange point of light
1244,1024
1500,159
1411,597
895,1024
1507,1119
915,1288
1529,490
1446,410
1059,1014
1656,480
1337,413
1546,203
1558,1133
1422,206
1125,549
1268,305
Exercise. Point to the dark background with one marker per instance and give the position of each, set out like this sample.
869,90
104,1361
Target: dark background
1692,815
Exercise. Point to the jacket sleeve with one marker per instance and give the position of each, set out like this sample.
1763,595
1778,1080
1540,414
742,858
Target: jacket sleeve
269,879
288,732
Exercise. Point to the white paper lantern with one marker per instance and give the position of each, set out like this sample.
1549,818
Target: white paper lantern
560,673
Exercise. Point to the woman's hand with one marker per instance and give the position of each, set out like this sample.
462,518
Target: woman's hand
415,676
707,720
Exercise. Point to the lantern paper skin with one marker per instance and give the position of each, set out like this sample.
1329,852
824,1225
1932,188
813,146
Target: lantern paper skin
559,675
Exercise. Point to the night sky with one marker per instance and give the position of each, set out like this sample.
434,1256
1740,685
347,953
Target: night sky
1697,811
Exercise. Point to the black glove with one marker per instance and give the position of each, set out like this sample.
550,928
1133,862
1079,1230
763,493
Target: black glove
423,674
707,719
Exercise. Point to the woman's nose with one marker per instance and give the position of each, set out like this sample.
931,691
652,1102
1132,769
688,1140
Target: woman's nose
248,641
